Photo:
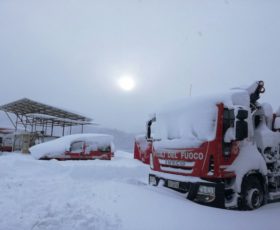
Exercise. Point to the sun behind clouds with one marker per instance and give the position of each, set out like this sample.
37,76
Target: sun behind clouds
126,83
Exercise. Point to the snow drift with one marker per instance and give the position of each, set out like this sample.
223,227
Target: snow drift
106,195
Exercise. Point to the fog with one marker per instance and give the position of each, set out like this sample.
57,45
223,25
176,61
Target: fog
71,54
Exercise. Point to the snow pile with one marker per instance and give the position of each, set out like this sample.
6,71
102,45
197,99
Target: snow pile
265,137
59,146
278,112
106,195
267,110
248,159
249,88
189,122
268,113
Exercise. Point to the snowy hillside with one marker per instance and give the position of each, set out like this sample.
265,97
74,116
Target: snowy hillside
106,195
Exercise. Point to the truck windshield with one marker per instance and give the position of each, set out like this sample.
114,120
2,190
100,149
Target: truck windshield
185,124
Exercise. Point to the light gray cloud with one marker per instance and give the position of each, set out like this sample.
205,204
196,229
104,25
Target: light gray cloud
70,53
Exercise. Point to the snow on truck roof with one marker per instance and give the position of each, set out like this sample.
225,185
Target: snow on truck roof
188,122
62,144
229,99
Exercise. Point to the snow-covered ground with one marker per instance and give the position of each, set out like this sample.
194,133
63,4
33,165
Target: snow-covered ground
112,194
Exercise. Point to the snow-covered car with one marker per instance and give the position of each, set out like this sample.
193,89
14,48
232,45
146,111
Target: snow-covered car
76,147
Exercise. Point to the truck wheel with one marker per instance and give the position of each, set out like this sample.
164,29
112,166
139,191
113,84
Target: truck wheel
252,193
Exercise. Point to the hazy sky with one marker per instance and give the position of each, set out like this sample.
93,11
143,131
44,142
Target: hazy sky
71,53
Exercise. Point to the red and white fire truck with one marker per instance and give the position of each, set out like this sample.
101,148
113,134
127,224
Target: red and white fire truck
142,149
220,151
143,144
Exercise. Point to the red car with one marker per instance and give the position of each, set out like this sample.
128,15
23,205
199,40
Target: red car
76,147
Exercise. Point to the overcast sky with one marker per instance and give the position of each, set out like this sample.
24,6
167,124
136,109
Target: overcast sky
71,53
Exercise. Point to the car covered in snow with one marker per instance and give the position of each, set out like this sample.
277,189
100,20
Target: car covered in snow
76,147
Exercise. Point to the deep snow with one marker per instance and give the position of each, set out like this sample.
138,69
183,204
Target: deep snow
105,195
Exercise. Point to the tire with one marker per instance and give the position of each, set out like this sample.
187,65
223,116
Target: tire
252,193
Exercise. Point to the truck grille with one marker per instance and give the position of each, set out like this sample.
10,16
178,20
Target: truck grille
176,166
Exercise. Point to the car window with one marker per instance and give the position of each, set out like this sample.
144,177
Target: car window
77,147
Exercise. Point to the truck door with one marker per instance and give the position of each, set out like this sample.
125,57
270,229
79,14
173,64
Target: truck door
228,125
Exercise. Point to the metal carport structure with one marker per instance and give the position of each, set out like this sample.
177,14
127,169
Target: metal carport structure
38,117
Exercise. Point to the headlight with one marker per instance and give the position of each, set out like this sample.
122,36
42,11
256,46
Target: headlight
207,190
151,161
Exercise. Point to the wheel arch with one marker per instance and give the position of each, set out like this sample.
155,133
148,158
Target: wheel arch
256,173
261,178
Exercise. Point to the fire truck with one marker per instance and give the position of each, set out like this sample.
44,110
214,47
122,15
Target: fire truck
142,149
143,144
220,151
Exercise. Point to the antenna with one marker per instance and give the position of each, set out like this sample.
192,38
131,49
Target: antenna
190,90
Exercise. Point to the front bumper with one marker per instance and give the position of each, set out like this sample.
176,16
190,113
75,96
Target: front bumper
207,193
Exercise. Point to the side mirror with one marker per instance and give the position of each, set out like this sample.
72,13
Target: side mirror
241,130
242,114
149,124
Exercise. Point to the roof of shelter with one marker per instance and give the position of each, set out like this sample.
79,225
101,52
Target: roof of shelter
42,112
6,130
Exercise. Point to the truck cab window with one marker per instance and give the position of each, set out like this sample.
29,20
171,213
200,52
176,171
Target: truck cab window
228,120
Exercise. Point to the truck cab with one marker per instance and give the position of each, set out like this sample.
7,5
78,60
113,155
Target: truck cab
143,143
142,149
217,151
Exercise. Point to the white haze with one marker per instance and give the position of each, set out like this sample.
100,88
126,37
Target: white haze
71,53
